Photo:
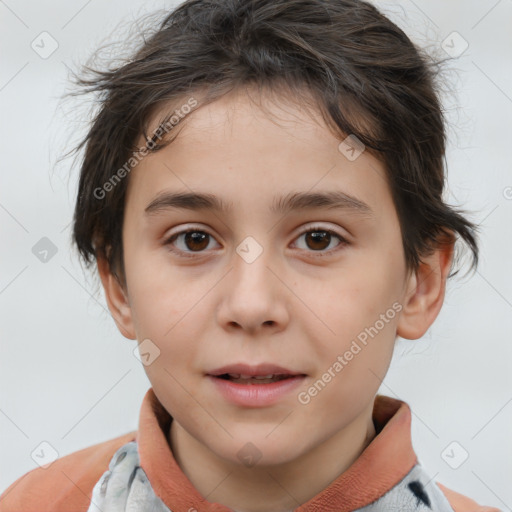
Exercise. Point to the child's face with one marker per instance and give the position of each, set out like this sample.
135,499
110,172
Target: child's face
206,306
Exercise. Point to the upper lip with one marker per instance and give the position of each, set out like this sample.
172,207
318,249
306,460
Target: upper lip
254,370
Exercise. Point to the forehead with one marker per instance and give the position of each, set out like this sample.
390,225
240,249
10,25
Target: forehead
243,111
242,143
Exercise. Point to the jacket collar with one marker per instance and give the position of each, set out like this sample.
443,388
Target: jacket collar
382,465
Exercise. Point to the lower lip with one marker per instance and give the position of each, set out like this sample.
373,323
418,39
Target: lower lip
256,395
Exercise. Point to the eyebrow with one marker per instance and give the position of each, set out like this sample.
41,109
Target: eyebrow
293,201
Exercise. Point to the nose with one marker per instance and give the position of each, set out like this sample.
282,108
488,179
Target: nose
254,298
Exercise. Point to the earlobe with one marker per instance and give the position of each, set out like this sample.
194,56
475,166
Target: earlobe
117,300
425,293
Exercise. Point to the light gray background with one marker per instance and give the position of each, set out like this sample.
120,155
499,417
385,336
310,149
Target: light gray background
69,378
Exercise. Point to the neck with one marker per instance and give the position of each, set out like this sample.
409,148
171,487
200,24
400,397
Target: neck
280,488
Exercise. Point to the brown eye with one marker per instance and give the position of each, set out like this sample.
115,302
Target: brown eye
189,241
196,240
318,239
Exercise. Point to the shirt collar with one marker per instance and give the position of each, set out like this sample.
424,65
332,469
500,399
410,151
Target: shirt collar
383,463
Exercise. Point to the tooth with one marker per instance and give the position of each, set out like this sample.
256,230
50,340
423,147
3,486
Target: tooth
264,376
234,375
242,376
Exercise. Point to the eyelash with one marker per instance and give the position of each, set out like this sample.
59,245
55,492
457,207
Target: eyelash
317,254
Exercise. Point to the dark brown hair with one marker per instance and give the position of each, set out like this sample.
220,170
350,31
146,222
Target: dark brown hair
364,74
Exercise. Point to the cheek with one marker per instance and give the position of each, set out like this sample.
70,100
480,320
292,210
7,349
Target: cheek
360,312
159,295
357,300
169,306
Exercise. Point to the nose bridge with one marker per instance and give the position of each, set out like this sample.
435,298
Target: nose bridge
251,274
252,292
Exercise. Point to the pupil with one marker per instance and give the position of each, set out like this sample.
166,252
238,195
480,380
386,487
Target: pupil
316,237
195,237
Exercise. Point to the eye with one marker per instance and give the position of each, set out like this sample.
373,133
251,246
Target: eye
194,240
318,239
191,240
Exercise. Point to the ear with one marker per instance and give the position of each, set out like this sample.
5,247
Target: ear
117,300
426,290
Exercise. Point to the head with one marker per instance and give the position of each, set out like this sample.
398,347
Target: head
314,134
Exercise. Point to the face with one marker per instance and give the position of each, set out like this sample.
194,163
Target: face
317,289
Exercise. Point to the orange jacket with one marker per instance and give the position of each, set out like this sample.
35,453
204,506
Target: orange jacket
67,484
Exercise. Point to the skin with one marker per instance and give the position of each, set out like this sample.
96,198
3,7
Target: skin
290,306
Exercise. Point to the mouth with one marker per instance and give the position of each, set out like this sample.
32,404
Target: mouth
255,386
264,373
238,378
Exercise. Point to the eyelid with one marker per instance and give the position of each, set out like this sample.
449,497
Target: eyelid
321,226
191,227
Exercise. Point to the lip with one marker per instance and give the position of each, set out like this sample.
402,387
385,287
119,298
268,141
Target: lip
254,370
256,395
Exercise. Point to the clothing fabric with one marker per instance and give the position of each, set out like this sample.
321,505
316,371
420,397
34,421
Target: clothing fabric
137,472
125,486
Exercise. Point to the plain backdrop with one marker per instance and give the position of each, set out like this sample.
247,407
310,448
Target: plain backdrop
68,377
